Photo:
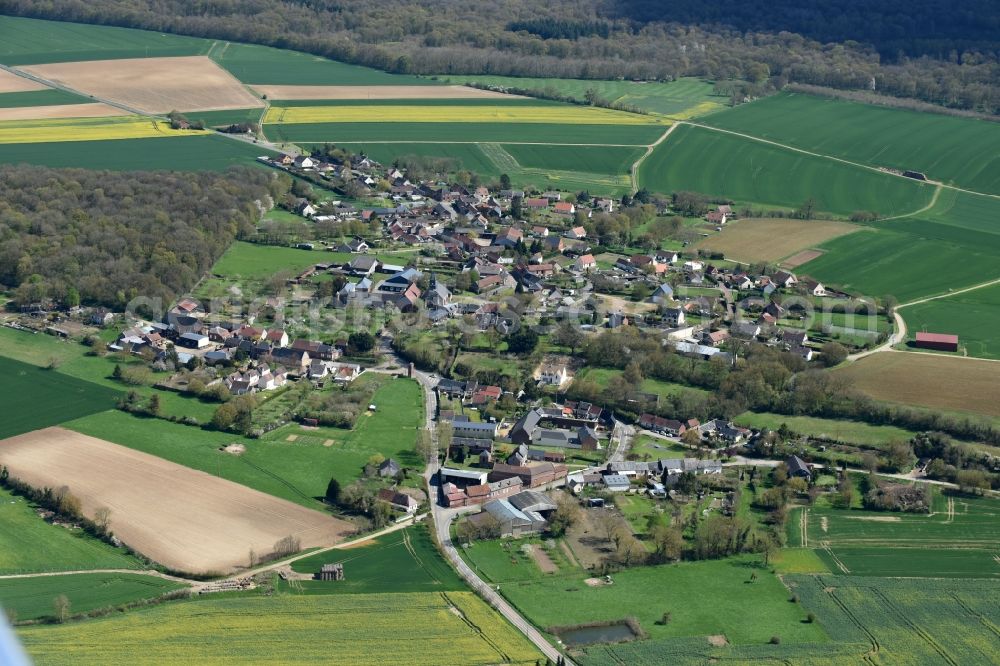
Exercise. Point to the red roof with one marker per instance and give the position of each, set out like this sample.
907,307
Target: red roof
944,338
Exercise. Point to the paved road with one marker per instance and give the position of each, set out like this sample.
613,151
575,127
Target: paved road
443,517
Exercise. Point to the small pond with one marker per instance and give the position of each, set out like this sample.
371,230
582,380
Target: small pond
612,633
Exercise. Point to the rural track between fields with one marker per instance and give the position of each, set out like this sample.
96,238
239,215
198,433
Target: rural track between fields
633,173
899,334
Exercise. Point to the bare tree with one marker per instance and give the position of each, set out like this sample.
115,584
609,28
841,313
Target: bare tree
60,608
102,518
287,546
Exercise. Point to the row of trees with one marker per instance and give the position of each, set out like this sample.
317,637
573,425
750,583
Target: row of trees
952,54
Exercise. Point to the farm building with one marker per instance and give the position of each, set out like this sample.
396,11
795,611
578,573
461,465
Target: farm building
938,341
331,572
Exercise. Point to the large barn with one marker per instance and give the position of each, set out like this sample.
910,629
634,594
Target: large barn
937,341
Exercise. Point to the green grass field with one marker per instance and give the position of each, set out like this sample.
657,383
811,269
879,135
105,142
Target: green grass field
604,159
974,316
223,118
468,156
719,607
683,98
720,164
894,259
73,362
959,151
32,598
261,64
601,376
423,629
297,471
871,620
361,132
257,262
40,98
404,561
35,398
854,432
28,544
184,153
959,539
31,41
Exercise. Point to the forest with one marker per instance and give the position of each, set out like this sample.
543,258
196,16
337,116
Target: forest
920,49
74,236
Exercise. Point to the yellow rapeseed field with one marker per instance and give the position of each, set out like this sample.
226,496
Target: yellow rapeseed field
560,115
86,129
418,629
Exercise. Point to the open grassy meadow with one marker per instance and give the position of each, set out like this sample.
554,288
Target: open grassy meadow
182,153
71,361
257,262
894,257
854,432
423,629
31,41
35,398
251,64
870,620
603,159
726,165
771,240
32,598
28,544
958,539
974,316
958,151
404,561
719,607
297,470
684,98
928,380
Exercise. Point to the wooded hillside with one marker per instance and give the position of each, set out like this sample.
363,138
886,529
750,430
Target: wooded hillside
943,53
104,237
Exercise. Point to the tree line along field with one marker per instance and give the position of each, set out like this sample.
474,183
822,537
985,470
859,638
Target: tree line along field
683,98
726,165
959,151
869,620
35,398
28,544
32,598
974,316
296,470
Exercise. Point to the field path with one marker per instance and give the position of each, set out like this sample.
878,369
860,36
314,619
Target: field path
835,159
934,199
649,151
899,334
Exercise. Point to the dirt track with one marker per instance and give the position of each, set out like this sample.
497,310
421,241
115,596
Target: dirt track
182,518
14,83
153,85
374,92
60,111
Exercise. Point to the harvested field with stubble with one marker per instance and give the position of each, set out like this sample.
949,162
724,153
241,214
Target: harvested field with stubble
61,111
154,85
182,518
929,380
771,240
13,83
374,92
